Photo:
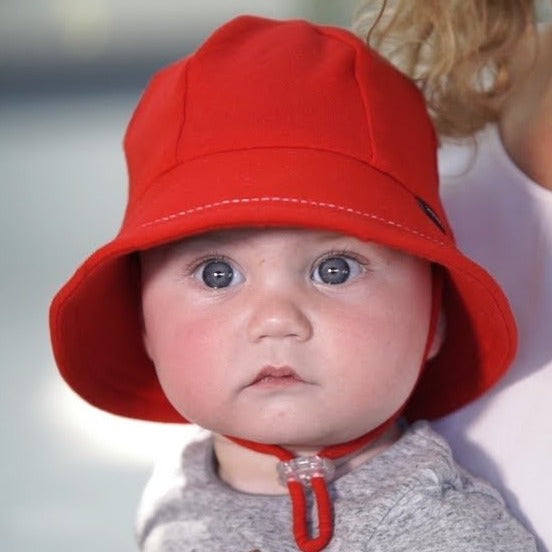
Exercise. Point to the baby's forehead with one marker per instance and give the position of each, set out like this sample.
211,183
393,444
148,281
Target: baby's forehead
251,237
236,236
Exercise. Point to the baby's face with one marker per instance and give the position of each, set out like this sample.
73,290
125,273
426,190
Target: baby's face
285,336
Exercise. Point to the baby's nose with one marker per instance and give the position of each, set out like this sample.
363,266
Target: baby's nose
278,316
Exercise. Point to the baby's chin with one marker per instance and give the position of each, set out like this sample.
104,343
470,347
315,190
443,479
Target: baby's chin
300,434
302,443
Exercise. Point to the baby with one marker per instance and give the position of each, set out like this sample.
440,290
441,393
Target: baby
286,278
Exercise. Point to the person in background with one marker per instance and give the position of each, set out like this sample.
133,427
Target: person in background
485,68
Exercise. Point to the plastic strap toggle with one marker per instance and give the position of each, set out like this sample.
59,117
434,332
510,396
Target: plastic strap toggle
304,468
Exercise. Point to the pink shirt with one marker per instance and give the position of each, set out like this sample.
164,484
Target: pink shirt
503,220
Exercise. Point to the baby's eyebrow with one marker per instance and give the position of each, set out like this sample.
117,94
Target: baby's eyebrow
242,236
211,240
223,237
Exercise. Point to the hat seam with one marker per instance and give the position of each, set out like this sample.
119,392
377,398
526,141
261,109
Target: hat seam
180,161
184,160
365,104
351,41
276,199
185,107
352,156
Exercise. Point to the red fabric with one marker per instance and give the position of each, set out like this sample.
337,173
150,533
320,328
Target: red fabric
288,124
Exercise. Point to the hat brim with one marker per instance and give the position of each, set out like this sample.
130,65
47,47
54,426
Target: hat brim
96,317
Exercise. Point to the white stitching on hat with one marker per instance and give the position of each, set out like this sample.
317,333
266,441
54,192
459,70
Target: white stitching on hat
234,201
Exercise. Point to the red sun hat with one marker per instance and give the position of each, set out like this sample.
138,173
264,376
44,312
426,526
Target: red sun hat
277,123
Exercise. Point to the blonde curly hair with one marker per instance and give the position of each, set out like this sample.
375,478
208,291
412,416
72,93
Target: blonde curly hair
460,52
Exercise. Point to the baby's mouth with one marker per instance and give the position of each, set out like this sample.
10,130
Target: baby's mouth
274,376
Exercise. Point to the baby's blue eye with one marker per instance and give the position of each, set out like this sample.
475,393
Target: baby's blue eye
336,270
219,274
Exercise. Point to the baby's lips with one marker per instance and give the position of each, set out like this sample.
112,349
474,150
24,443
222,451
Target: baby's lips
276,372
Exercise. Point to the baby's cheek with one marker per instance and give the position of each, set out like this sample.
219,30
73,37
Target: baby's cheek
187,374
181,389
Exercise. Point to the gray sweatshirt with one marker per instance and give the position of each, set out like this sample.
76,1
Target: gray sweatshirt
412,497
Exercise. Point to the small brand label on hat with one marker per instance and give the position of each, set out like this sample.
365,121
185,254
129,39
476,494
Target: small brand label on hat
431,214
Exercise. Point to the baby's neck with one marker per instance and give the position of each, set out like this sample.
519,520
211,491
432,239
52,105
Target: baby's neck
250,471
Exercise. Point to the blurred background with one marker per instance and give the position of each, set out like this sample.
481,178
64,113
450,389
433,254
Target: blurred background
71,72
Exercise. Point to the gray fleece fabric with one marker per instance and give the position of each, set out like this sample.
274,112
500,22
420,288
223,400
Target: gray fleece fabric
412,497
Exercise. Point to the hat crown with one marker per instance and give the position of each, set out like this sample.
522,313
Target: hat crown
257,83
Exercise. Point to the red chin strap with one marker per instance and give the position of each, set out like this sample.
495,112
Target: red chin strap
313,472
